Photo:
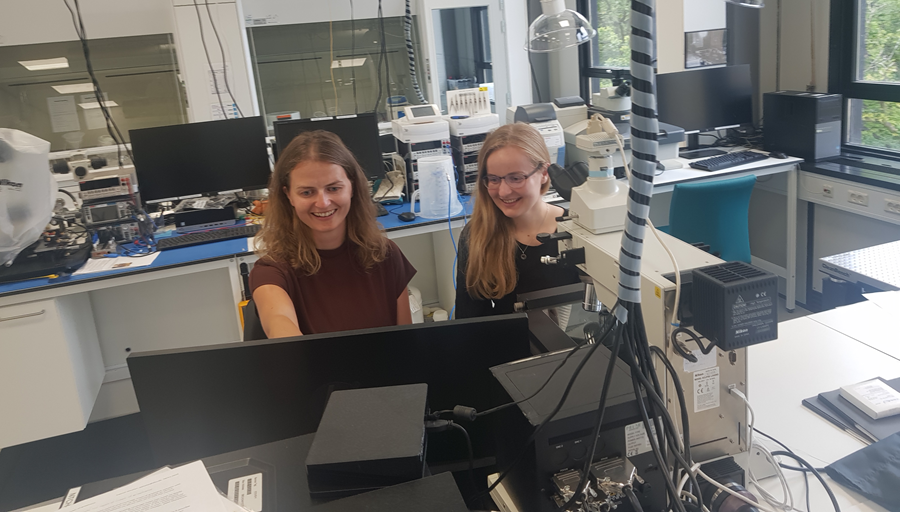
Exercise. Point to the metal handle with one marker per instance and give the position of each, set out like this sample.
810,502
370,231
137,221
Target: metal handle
39,313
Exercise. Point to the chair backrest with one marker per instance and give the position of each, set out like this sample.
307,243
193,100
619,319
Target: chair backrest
253,329
715,213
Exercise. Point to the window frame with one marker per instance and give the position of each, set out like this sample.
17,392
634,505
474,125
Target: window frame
586,71
844,29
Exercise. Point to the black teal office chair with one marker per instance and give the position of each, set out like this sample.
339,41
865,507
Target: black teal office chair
715,213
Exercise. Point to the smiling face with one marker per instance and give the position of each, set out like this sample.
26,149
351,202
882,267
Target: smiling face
516,201
320,194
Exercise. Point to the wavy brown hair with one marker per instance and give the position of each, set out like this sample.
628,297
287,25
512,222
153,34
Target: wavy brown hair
491,269
286,238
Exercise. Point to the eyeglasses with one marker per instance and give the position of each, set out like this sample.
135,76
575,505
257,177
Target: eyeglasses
513,179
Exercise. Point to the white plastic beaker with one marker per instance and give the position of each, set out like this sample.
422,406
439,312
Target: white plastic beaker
437,194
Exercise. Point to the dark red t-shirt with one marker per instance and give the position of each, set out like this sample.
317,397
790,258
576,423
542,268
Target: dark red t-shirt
342,295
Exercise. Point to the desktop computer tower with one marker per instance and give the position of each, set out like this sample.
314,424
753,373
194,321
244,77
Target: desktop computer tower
803,124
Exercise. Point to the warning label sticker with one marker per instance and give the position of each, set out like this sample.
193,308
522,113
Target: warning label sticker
706,389
751,314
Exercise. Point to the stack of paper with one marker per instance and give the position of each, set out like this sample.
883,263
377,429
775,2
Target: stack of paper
846,416
186,488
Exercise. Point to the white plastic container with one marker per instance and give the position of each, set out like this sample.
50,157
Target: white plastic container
437,194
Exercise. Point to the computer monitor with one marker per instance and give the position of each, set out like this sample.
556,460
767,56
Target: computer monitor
359,133
182,160
202,401
705,99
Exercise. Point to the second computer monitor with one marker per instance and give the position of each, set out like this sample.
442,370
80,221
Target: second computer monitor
701,100
172,162
358,132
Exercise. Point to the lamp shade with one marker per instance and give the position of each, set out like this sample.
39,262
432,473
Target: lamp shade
557,28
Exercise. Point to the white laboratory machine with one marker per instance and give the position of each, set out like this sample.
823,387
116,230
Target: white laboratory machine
471,120
420,132
542,117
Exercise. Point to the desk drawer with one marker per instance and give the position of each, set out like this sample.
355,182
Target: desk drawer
50,368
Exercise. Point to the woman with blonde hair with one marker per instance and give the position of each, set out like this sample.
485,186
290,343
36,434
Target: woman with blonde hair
499,255
326,266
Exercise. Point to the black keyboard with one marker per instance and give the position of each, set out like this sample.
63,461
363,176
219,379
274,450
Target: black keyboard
728,160
205,237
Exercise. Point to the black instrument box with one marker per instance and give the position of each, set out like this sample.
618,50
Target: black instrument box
563,444
368,439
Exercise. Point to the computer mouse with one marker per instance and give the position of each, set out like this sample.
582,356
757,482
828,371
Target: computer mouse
407,216
777,154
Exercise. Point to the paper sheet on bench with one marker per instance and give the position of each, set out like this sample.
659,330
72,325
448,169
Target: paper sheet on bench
185,489
103,264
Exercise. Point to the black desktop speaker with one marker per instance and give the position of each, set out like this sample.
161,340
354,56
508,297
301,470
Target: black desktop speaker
803,124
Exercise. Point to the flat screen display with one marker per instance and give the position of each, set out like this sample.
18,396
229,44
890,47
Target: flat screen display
705,99
200,158
358,132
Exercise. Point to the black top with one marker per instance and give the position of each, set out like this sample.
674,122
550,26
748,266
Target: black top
532,276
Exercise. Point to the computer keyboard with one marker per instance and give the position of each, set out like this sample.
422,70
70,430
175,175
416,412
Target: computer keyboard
204,237
728,160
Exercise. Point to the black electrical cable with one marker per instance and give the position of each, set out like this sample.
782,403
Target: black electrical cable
635,504
534,78
681,330
381,57
616,331
601,410
654,444
685,423
470,451
224,67
815,473
353,56
209,61
805,471
558,366
111,126
387,61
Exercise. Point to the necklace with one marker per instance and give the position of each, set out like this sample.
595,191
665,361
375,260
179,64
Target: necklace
523,247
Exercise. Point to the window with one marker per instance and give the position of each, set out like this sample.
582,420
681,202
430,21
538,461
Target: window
864,66
295,64
45,89
608,56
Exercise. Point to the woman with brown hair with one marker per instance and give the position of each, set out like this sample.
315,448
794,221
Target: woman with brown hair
326,266
499,255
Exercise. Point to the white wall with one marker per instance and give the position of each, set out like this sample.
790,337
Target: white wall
48,21
192,58
804,45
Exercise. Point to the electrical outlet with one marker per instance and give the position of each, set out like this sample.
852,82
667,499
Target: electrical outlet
860,198
828,190
892,206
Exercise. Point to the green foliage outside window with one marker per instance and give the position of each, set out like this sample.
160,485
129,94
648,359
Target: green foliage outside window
613,30
881,63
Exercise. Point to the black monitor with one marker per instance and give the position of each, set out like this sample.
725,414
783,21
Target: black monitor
201,401
705,99
359,133
193,159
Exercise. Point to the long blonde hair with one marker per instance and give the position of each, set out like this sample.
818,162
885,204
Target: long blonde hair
286,238
491,269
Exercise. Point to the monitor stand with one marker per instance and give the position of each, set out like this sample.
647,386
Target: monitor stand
692,154
693,151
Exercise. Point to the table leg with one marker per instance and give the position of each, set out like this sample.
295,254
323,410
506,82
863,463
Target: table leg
791,284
